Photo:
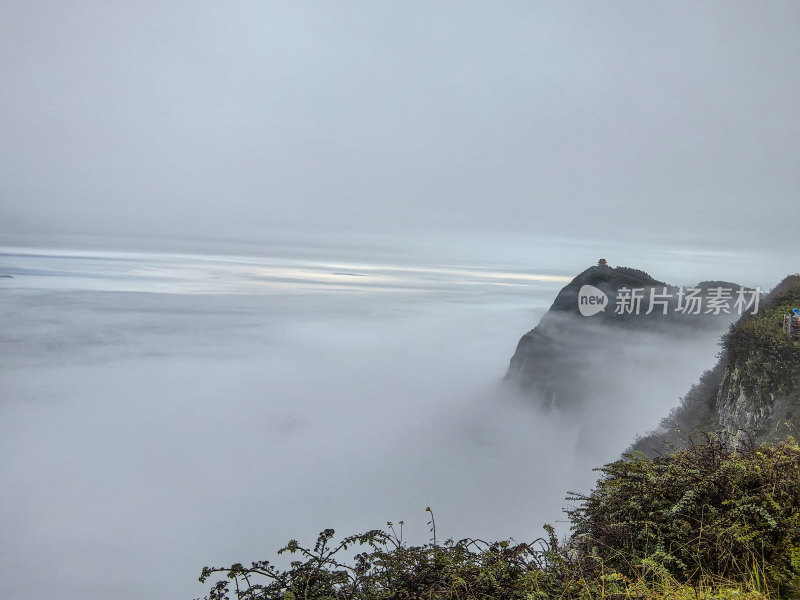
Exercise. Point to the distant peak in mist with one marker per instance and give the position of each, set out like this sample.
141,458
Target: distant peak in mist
608,318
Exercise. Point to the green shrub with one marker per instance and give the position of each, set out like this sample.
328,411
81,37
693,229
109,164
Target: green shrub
708,522
707,512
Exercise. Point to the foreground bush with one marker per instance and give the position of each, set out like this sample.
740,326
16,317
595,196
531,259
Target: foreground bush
388,568
707,522
708,512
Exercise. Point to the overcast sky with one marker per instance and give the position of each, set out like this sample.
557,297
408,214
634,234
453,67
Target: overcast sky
244,120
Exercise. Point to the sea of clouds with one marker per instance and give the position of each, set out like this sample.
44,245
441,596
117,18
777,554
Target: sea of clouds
159,413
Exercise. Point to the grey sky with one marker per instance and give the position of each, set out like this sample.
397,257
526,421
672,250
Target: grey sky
670,120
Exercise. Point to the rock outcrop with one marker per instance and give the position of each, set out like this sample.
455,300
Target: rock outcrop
754,390
565,359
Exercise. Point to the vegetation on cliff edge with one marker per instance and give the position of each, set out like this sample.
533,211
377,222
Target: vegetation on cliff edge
708,521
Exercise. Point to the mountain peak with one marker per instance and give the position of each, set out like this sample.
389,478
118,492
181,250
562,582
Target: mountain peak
556,360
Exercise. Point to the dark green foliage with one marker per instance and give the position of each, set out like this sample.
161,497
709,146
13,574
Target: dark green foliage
636,273
758,362
387,568
706,511
707,522
767,358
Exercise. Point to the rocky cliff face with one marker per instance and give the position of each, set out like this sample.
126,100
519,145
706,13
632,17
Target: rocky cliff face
755,388
572,356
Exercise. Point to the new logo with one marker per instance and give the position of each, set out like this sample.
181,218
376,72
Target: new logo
591,300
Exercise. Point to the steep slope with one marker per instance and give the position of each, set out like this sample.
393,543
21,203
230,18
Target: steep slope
755,387
568,357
